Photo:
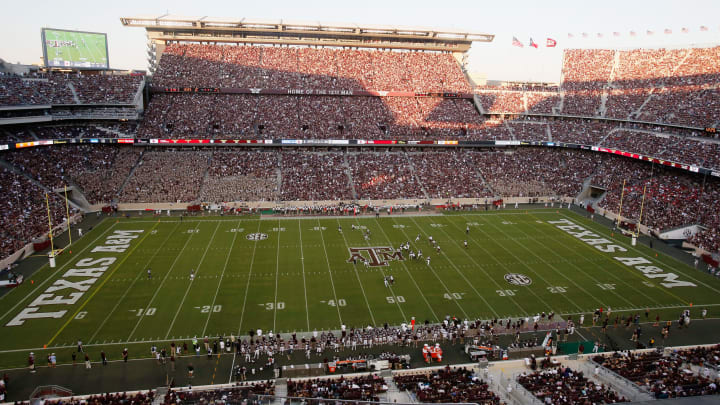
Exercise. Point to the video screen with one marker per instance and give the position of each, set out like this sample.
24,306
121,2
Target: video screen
75,49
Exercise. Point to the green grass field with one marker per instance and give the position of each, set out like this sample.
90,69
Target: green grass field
80,49
298,278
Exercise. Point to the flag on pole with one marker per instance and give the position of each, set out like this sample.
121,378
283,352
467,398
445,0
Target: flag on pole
516,42
668,31
703,28
533,44
685,30
550,43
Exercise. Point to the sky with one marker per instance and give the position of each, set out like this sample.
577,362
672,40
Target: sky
498,60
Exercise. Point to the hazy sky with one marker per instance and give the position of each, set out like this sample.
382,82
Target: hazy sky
498,60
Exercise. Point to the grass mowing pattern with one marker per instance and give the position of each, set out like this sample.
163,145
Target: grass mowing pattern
296,277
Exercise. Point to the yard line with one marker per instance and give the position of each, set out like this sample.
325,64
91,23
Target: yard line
578,286
190,283
247,286
162,282
277,273
302,263
521,262
358,277
39,288
117,303
615,277
332,283
381,270
98,288
438,277
648,257
463,275
411,277
227,260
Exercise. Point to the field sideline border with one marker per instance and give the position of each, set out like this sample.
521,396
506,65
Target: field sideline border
589,311
53,276
574,217
679,268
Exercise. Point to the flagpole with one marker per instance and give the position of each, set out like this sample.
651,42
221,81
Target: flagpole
52,246
642,204
621,201
67,212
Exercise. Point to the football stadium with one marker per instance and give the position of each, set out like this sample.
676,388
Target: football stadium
284,212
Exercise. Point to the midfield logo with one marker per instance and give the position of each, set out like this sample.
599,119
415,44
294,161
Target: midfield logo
375,256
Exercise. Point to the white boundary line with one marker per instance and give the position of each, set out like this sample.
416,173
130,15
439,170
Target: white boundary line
410,275
227,260
551,266
332,283
457,302
190,284
162,282
277,276
651,259
457,270
402,313
358,277
302,263
247,285
594,264
549,307
117,304
40,288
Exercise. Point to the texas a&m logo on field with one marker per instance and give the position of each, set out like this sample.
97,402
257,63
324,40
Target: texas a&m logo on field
375,256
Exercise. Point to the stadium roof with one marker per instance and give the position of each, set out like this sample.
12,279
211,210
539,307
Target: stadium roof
313,33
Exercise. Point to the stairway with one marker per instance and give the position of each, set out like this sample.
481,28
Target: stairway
205,176
414,175
132,171
280,391
74,93
393,393
348,172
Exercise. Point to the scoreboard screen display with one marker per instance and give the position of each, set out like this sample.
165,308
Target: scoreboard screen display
74,49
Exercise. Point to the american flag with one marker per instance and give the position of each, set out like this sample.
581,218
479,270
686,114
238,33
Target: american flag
517,42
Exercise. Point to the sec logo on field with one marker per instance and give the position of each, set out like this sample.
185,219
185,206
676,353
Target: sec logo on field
256,236
518,279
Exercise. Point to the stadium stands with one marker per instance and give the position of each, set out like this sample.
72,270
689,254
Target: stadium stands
447,385
665,377
61,88
562,385
361,388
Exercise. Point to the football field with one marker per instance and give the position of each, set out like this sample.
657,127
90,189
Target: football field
229,275
75,49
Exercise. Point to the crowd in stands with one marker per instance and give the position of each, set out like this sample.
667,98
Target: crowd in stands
361,388
313,177
703,356
672,198
241,176
166,176
447,385
378,176
450,174
665,377
239,393
24,211
308,68
562,385
533,172
121,398
61,88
